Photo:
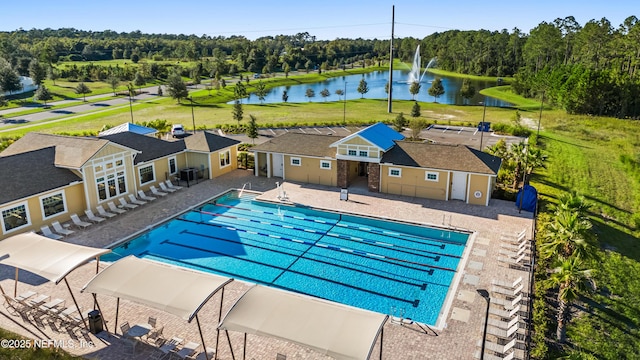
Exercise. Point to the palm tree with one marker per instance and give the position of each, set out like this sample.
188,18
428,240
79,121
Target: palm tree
517,155
568,235
571,280
572,201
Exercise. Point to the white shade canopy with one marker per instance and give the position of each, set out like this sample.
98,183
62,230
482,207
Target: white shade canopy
340,331
172,289
51,259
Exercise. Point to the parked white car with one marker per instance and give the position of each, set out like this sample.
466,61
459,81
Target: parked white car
177,130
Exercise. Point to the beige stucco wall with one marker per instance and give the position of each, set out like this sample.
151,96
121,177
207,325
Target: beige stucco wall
74,203
198,160
216,169
89,177
309,171
478,183
357,140
413,183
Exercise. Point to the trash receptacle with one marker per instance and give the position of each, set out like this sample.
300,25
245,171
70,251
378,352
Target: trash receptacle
95,321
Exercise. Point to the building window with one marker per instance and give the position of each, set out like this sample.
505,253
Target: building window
173,167
146,174
52,205
225,158
324,164
352,153
15,218
431,176
395,172
111,186
296,161
363,153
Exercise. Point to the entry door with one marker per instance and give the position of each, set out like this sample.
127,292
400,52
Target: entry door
278,165
459,186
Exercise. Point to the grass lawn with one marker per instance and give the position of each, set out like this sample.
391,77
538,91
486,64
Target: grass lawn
599,158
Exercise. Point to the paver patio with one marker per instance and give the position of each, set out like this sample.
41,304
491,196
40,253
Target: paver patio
464,319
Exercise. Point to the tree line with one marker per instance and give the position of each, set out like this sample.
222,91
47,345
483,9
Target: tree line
590,69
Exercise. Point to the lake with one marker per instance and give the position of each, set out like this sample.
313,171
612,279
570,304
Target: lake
376,82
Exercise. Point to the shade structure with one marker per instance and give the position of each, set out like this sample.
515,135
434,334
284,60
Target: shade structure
51,259
337,330
178,291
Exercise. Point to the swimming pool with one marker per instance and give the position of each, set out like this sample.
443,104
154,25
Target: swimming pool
384,266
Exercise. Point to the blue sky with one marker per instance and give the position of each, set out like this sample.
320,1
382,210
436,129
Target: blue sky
328,19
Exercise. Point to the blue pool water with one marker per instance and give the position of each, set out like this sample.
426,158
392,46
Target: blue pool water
383,266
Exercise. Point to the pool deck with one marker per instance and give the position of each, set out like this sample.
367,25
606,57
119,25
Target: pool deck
462,324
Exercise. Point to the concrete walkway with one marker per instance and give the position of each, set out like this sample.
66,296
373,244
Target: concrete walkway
462,320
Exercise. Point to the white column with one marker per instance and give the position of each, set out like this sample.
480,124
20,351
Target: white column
268,165
256,167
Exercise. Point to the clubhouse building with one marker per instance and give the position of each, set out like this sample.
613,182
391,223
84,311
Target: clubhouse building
380,156
47,178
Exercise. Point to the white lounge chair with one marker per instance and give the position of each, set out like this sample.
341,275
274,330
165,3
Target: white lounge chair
512,261
504,324
187,350
103,212
508,304
523,244
514,254
164,188
507,284
125,204
133,200
47,232
79,223
508,292
92,217
171,186
145,197
115,209
509,356
517,235
508,314
156,192
502,333
501,349
60,229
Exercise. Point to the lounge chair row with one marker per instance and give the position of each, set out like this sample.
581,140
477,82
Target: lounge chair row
41,308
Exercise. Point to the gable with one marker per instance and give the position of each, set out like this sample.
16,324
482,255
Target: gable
32,173
378,135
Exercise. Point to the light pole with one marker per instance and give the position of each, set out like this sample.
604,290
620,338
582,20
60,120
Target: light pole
344,108
484,112
132,90
485,294
193,118
540,117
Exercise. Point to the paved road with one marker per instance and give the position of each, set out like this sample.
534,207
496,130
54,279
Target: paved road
147,94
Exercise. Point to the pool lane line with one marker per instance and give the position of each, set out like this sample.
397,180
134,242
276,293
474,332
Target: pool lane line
414,303
301,255
361,228
332,247
283,269
398,248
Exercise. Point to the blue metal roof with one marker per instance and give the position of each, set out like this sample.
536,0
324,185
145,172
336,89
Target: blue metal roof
129,127
380,135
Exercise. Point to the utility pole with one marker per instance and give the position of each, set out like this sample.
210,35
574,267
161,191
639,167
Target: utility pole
540,117
484,112
344,107
390,100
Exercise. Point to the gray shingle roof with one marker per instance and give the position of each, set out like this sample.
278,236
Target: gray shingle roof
30,173
300,144
208,142
71,151
151,147
441,156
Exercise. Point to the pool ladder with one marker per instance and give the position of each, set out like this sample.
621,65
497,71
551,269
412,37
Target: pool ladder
243,187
